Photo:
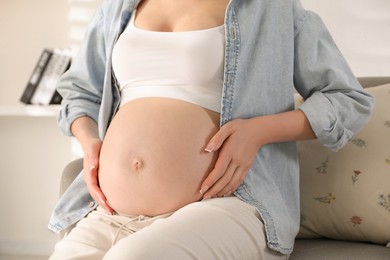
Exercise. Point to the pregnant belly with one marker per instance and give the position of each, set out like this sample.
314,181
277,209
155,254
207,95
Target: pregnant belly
152,160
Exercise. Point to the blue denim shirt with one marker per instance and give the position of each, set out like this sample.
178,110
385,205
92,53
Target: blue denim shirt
271,47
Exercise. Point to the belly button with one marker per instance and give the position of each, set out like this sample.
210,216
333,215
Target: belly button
137,164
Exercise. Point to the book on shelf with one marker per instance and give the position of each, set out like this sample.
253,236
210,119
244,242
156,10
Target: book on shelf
41,87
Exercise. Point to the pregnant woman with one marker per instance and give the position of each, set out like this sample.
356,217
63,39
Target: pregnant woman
185,113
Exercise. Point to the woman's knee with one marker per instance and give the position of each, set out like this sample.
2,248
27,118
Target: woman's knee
146,248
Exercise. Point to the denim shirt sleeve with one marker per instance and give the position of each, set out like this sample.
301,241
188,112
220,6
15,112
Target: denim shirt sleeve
81,86
75,203
335,103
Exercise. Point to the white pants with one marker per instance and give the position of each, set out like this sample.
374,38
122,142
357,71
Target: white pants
220,228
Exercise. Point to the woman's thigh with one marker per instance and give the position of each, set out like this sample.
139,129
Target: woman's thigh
90,239
221,228
95,234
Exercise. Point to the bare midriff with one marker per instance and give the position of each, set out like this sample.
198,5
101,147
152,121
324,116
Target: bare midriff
153,160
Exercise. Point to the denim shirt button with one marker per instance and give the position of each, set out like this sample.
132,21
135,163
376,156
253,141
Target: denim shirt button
91,204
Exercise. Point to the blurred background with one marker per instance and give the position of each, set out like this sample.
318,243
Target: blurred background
32,150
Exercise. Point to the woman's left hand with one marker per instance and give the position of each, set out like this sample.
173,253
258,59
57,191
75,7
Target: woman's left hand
237,142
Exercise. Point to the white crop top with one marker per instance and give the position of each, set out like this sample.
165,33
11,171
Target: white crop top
186,65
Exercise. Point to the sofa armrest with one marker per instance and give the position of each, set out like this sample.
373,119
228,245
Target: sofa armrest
368,82
324,249
69,173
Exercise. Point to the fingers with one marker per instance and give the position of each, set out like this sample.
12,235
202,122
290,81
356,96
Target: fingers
236,156
222,183
208,188
219,138
236,180
228,183
226,176
91,178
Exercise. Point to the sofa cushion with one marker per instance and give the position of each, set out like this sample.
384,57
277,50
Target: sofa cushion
324,249
346,195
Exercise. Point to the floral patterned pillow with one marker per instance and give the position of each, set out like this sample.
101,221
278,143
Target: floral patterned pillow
346,195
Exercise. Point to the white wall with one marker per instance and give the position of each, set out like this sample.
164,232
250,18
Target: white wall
32,150
26,28
361,30
32,155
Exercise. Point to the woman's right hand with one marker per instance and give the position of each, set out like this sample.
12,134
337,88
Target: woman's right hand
91,166
86,131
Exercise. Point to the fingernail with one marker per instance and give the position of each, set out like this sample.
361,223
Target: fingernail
210,148
207,197
109,213
228,194
92,167
203,190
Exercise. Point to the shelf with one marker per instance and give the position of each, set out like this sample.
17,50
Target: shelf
29,111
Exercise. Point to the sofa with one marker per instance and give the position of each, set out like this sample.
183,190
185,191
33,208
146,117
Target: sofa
345,209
